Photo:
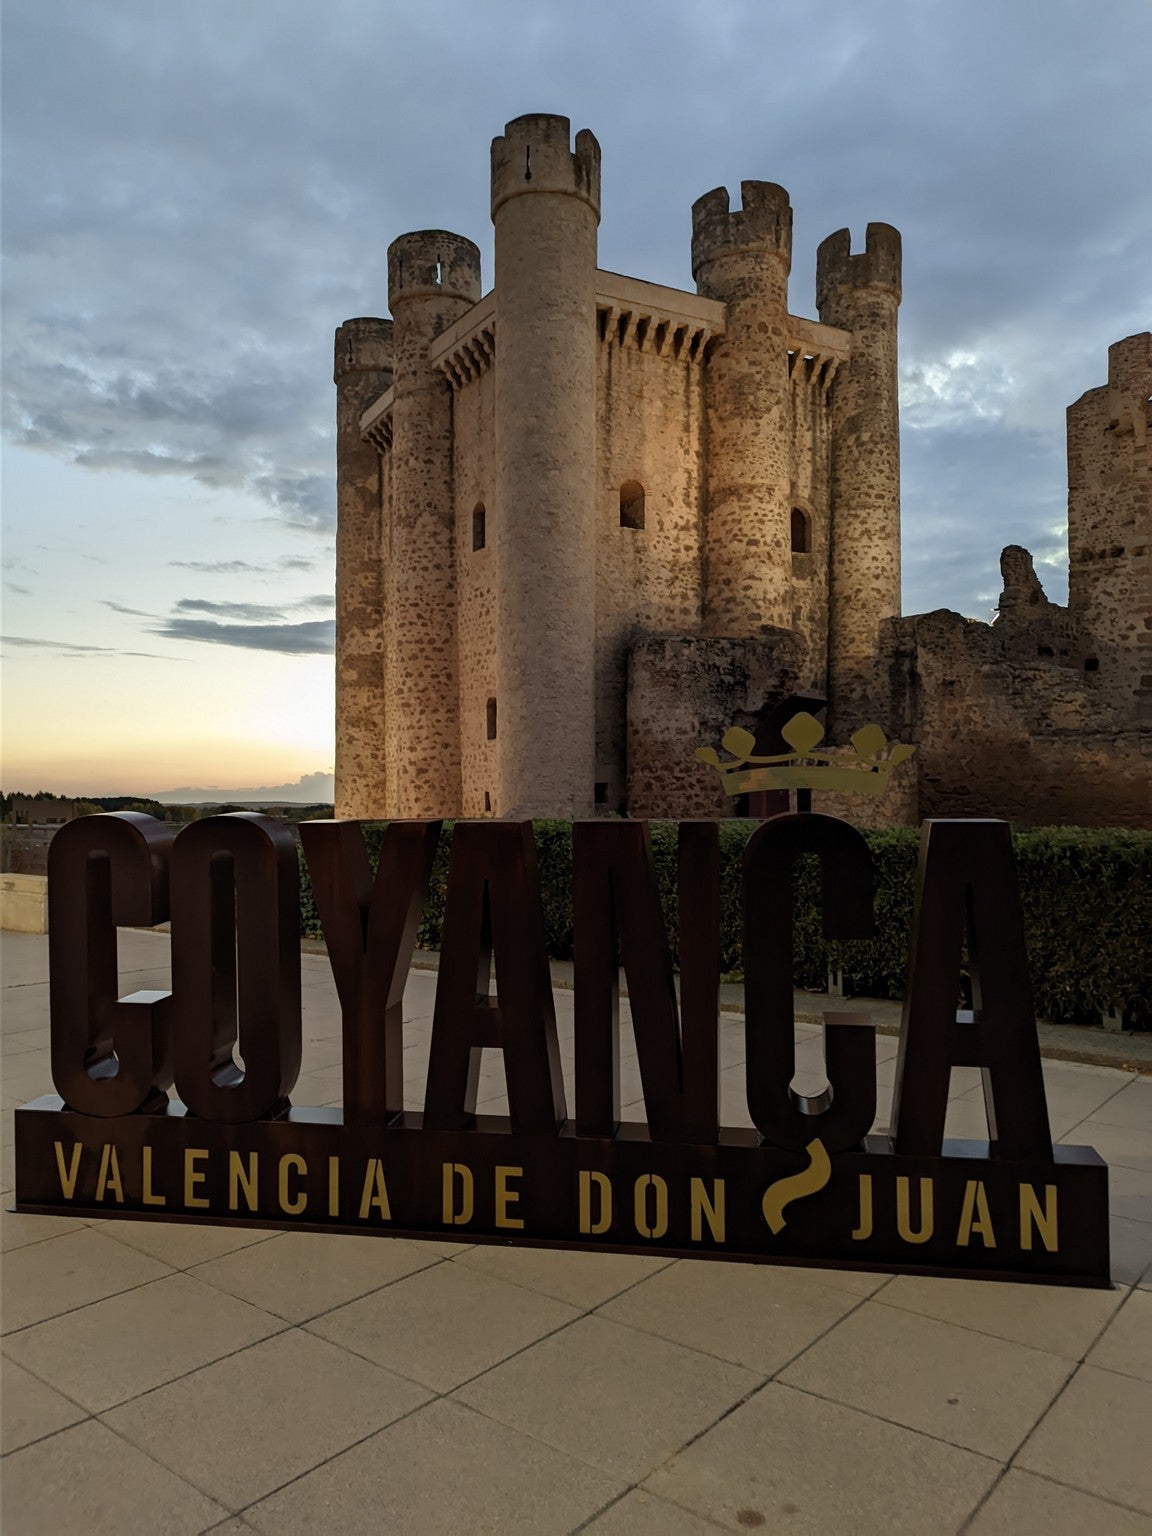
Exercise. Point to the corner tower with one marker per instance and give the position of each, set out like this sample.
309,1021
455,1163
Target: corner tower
433,278
743,259
546,209
363,370
861,294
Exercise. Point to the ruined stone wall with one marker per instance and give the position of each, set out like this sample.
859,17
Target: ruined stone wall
1110,527
648,577
999,735
684,691
474,405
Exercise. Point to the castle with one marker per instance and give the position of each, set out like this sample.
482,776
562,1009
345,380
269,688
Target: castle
586,522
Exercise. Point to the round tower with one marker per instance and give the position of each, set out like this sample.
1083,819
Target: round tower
743,260
545,208
363,371
433,278
861,294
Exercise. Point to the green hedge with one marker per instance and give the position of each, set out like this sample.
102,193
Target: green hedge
1086,894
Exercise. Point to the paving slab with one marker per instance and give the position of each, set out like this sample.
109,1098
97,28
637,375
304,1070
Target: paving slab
1024,1505
1095,1438
30,1409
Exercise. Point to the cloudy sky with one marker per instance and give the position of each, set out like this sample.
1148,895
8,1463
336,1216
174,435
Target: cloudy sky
196,195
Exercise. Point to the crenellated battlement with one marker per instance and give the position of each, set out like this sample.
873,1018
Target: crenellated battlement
534,154
363,345
762,226
876,266
433,263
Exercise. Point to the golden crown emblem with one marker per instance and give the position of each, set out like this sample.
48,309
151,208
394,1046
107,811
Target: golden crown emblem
865,770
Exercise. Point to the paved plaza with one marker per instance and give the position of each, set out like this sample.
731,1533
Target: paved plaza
176,1378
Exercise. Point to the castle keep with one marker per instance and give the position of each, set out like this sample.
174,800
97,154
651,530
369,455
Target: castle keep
587,522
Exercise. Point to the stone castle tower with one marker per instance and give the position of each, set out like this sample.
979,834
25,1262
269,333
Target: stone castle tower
586,521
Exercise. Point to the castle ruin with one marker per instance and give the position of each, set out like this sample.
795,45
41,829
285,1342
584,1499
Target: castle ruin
586,522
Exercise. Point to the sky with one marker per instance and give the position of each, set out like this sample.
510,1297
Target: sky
195,196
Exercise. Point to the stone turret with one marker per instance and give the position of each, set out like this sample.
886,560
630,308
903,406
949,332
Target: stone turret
861,293
363,370
433,278
743,259
546,209
1110,526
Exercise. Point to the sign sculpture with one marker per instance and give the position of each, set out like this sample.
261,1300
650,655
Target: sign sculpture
810,1184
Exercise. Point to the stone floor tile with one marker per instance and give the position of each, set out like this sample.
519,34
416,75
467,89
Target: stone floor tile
786,1461
1126,1145
115,1349
443,1326
1060,1319
583,1279
619,1399
30,1409
967,1388
182,1244
18,1230
48,1278
1126,1345
305,1273
248,1424
1130,1249
642,1514
86,1479
1095,1437
754,1315
1131,1107
1130,1193
1023,1505
443,1469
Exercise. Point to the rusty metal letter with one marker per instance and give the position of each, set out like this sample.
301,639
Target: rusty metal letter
966,885
370,930
110,1055
617,919
493,910
236,966
844,1112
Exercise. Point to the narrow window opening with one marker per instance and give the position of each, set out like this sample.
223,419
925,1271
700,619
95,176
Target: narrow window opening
439,273
527,162
491,719
801,532
600,793
479,526
1045,650
631,504
487,801
1092,664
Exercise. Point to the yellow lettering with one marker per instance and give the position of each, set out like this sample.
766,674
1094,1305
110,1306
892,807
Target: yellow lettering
599,1181
705,1209
242,1178
975,1216
865,1228
653,1182
375,1191
1030,1215
506,1197
333,1186
109,1175
68,1175
193,1178
149,1196
903,1216
452,1216
291,1162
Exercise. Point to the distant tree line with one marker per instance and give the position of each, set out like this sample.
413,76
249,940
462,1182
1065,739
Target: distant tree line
92,805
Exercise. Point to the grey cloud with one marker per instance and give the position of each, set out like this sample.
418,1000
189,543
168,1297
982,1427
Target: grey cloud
192,206
254,613
70,648
237,567
13,587
136,613
316,637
